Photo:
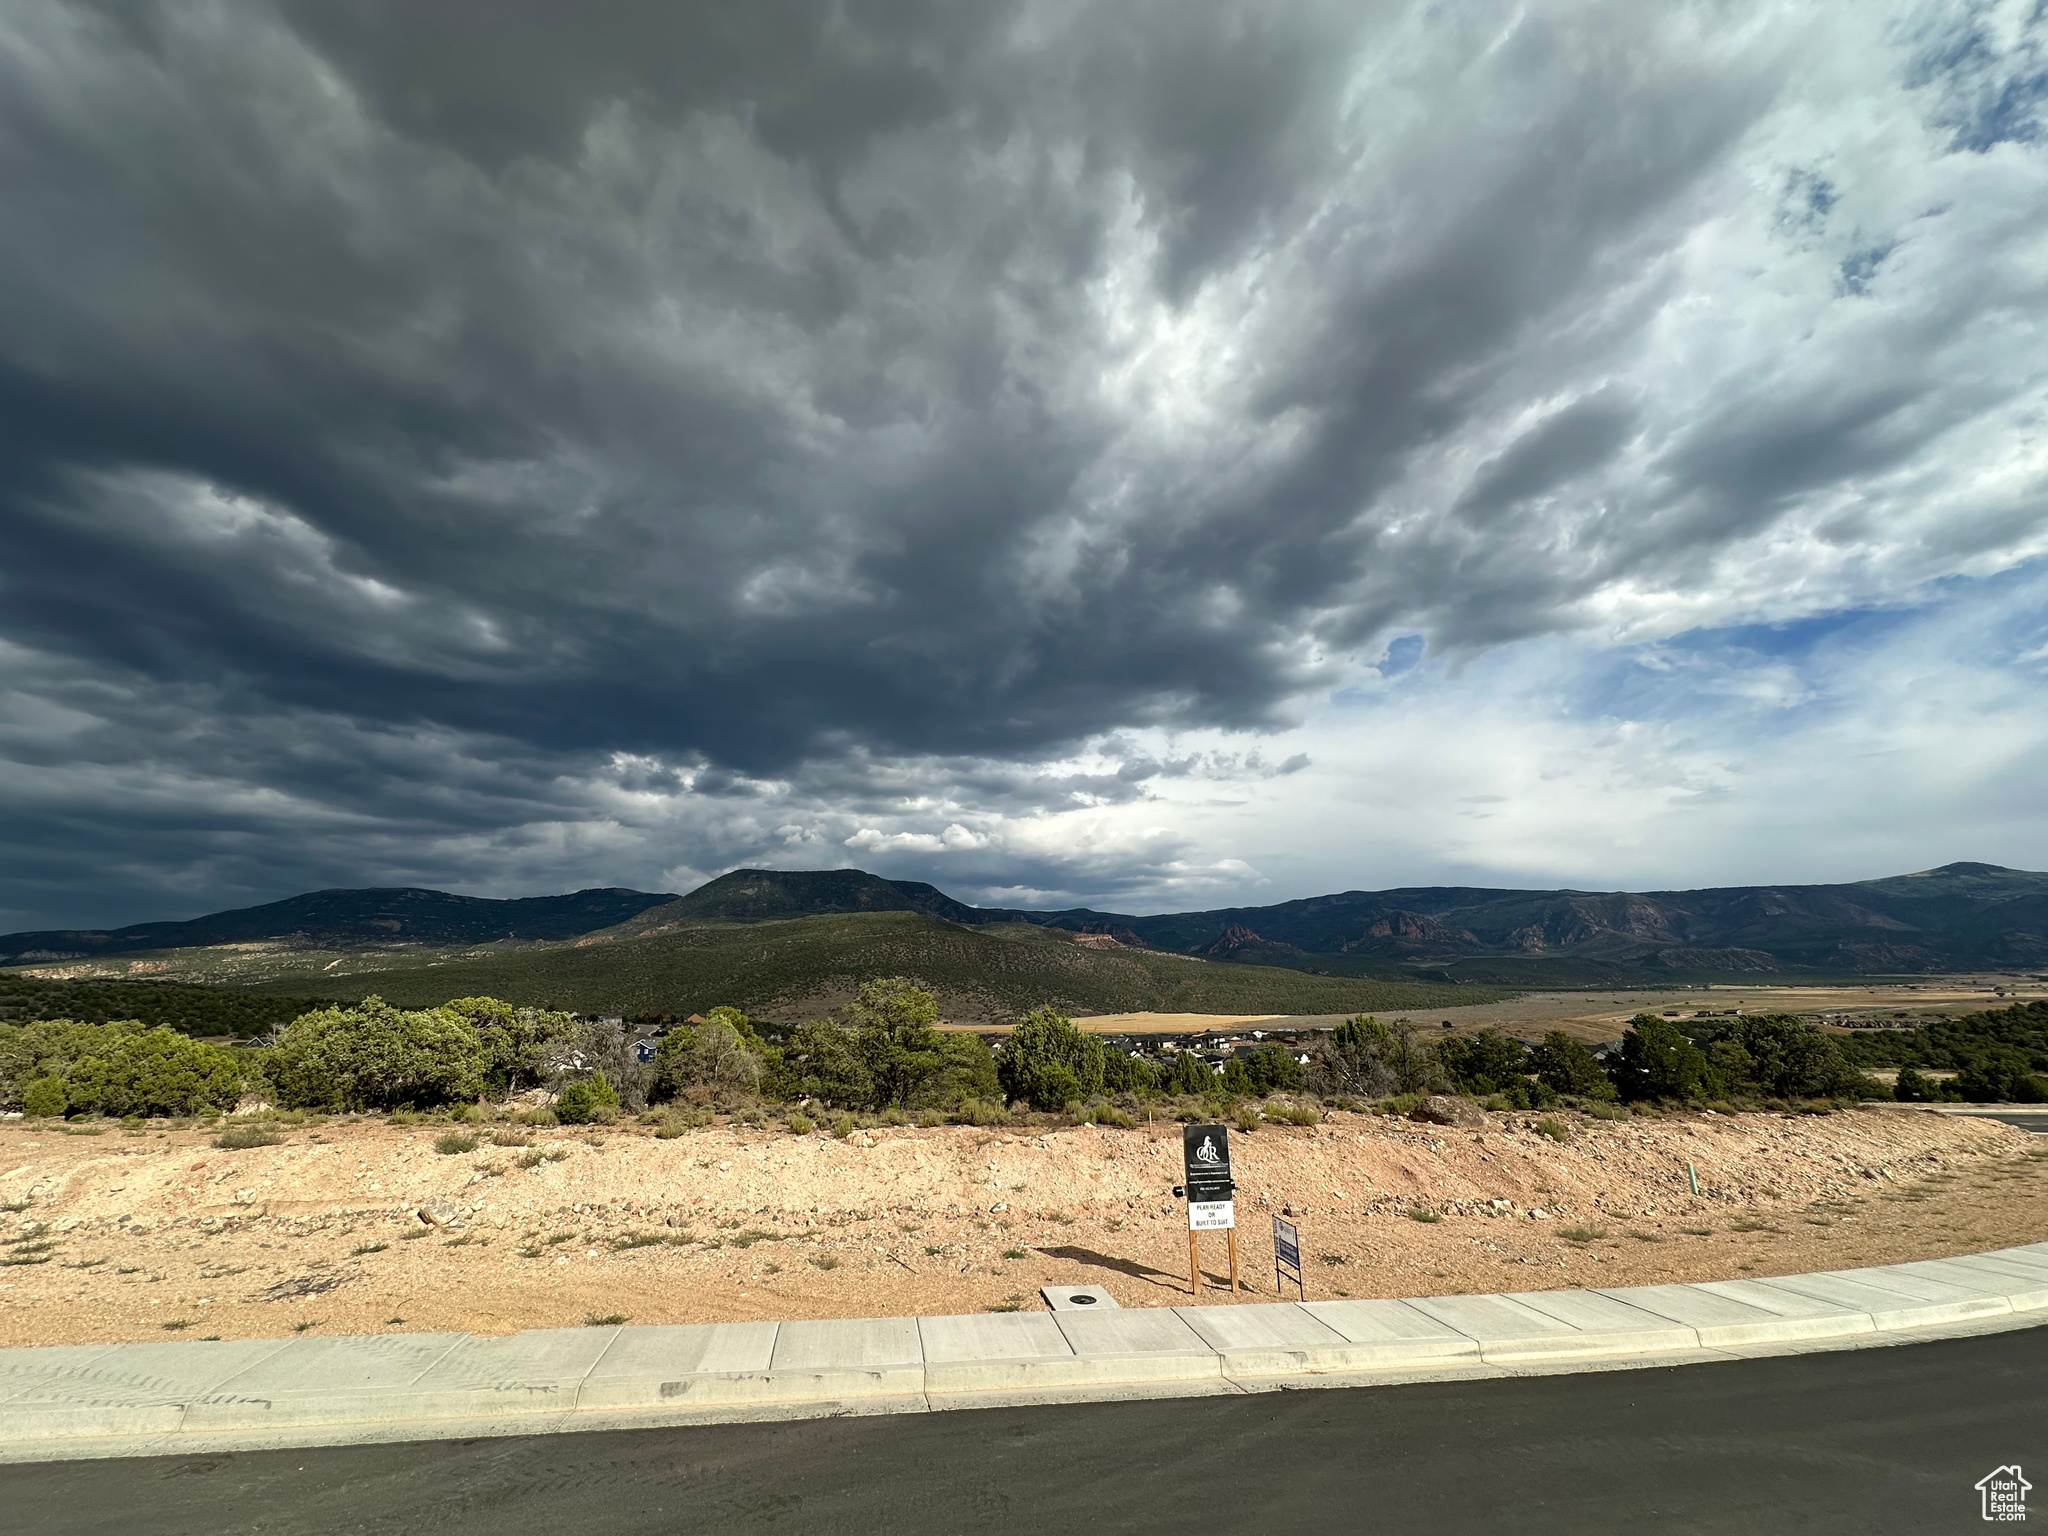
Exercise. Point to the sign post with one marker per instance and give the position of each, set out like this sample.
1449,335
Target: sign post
1286,1255
1205,1153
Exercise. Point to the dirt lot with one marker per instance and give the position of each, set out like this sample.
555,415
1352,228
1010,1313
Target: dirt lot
133,1234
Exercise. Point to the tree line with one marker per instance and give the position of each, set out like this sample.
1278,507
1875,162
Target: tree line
884,1053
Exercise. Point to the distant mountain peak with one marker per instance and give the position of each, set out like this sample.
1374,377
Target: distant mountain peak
341,917
1966,868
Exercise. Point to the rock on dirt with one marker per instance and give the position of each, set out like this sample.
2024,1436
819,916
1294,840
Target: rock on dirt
1437,1109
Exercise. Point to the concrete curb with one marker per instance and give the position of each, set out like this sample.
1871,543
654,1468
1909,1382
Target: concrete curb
174,1398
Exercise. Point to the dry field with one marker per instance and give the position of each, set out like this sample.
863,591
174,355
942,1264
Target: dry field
1603,1015
141,1234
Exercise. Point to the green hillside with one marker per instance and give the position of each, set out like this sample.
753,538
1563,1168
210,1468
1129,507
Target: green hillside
806,965
195,1010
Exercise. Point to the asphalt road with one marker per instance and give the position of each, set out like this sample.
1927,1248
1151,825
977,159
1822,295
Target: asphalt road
2035,1120
1873,1440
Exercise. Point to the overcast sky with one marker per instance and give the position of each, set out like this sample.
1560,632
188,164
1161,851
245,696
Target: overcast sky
1149,455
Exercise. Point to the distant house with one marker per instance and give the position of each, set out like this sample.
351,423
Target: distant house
643,1049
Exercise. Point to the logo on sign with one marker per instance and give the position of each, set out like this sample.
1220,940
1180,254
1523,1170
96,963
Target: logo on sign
2005,1494
1207,1154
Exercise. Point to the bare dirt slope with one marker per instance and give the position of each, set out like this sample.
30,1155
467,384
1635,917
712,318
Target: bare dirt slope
130,1235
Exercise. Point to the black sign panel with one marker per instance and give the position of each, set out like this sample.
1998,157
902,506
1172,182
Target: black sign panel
1206,1151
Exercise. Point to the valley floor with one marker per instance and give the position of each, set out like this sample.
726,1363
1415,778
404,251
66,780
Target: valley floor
1593,1016
154,1233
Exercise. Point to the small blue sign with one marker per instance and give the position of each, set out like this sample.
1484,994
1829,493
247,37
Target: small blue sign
1286,1256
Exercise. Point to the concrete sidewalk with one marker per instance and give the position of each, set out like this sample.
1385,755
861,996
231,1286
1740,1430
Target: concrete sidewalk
160,1399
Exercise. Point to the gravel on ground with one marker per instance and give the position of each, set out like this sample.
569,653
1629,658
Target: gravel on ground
357,1226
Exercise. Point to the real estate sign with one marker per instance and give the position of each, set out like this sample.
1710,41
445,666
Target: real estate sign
1205,1152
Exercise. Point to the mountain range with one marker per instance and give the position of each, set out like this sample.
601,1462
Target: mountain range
1957,917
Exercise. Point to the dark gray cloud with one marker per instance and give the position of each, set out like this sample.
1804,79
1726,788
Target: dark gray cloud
488,444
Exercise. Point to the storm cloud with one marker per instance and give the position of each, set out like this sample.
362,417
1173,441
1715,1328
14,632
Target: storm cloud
497,445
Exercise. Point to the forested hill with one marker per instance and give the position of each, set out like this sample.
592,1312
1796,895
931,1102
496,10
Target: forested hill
1958,917
342,919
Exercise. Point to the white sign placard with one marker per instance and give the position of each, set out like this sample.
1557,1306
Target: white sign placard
1211,1215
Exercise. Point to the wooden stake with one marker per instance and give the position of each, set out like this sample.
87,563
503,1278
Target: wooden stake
1194,1265
1231,1233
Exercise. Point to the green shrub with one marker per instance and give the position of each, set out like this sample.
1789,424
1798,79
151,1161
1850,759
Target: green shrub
44,1099
120,1069
1485,1063
1367,1059
1189,1074
980,1112
449,1143
518,1043
1294,1114
2001,1075
1272,1069
154,1072
802,1125
1527,1093
1556,1130
1659,1062
1048,1063
374,1056
723,1054
1246,1118
893,1025
580,1101
1914,1087
842,1126
1565,1066
1780,1055
240,1138
1422,1213
819,1062
1126,1074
